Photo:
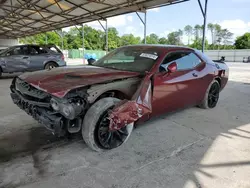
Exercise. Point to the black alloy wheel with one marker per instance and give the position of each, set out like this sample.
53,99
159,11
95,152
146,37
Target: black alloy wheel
106,138
213,95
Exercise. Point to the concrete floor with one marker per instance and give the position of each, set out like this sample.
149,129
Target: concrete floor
188,149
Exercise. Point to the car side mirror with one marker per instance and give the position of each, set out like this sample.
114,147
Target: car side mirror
172,67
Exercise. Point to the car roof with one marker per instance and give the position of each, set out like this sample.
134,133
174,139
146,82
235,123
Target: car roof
20,45
160,46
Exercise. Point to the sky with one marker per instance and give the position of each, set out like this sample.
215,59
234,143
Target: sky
231,14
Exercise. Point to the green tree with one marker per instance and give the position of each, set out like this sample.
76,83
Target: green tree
188,29
163,40
217,34
113,38
129,39
226,36
243,42
211,28
197,43
197,31
174,38
152,39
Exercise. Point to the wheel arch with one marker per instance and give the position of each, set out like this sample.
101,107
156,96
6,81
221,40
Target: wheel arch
50,62
122,89
112,93
218,79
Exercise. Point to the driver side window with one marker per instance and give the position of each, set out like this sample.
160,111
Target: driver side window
184,60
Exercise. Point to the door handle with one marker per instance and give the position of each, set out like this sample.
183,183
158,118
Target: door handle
195,75
25,57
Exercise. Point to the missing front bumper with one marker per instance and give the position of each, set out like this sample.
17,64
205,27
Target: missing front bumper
41,113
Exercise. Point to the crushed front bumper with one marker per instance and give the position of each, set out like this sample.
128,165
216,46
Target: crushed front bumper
40,111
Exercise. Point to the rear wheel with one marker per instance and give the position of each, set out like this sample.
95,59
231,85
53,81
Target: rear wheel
1,72
50,65
212,95
95,128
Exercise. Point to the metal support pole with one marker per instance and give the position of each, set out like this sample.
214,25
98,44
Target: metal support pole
83,43
145,27
204,27
107,37
62,40
106,32
46,38
144,22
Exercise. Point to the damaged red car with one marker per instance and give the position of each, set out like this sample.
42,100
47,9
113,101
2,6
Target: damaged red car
129,85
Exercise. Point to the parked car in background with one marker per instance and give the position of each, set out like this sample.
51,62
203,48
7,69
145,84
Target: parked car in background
24,58
129,85
246,59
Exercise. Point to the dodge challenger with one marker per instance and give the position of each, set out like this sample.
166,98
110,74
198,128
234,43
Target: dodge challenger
128,86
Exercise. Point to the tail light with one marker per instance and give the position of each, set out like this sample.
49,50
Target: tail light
63,57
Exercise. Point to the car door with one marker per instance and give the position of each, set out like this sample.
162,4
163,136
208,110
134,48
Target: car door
176,90
17,59
38,57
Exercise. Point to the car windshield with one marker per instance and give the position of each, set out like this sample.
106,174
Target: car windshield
132,58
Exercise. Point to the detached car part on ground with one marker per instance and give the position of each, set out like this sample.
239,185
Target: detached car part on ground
129,85
27,58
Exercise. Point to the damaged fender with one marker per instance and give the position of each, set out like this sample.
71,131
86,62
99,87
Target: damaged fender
129,111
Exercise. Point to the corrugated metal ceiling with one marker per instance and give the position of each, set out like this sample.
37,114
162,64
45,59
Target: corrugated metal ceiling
19,18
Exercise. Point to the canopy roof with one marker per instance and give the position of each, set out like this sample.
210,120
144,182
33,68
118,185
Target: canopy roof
19,18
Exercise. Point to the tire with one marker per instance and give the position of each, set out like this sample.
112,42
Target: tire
50,65
211,99
1,72
93,128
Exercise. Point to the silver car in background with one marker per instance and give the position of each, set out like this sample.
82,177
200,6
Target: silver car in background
24,58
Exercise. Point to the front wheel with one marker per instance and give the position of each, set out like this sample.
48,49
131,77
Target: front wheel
212,95
95,128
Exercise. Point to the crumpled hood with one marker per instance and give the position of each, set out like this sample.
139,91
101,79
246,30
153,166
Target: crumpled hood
60,81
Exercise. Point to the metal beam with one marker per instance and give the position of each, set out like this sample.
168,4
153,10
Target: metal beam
144,22
102,25
107,35
61,35
204,12
83,51
130,6
145,28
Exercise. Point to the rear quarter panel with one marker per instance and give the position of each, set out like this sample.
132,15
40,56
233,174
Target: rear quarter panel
222,73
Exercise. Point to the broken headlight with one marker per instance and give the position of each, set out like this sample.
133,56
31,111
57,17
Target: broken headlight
69,109
54,104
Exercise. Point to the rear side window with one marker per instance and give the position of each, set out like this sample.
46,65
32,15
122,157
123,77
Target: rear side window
20,50
53,48
184,60
204,57
35,50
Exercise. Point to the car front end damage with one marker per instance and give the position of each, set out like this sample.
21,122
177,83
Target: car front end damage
129,111
62,115
54,113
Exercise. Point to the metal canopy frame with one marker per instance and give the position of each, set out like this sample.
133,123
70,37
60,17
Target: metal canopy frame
19,18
